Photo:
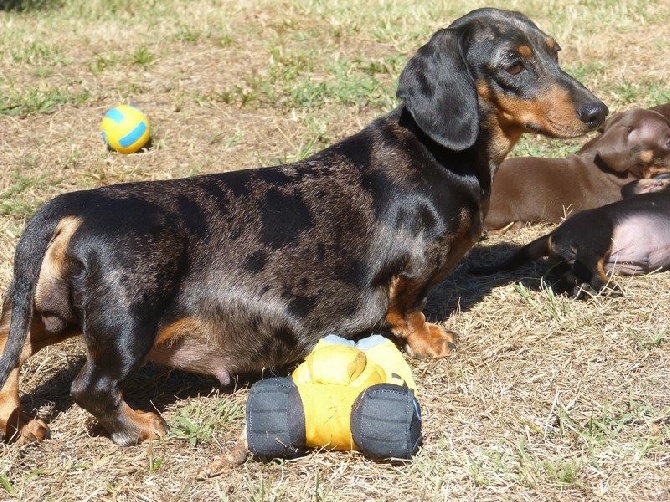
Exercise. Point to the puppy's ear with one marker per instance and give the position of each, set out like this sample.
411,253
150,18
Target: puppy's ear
612,147
440,93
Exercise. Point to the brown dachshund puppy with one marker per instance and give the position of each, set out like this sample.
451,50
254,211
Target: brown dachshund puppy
634,145
628,237
236,272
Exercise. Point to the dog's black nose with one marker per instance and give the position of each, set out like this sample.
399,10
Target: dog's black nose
593,114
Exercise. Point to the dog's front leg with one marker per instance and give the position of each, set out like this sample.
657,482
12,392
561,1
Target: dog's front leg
423,339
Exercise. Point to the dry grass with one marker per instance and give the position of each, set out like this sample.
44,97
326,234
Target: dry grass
547,399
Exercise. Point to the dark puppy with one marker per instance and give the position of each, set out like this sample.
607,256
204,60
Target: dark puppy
634,145
235,272
628,237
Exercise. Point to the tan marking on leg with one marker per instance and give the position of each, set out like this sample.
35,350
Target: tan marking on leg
608,283
178,329
14,424
423,339
426,339
138,426
188,344
600,270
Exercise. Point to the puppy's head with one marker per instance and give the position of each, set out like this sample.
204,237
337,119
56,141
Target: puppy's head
635,141
496,70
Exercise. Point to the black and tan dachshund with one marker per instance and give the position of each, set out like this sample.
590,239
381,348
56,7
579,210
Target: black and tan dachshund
229,273
628,237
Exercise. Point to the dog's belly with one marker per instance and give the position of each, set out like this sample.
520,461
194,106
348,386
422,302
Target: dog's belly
247,330
640,244
192,355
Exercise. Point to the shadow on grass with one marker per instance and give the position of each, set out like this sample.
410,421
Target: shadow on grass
152,387
29,5
462,290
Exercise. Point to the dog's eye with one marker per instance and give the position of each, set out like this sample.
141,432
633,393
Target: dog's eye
514,69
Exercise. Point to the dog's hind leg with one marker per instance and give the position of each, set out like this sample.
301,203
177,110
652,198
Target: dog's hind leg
586,249
117,343
14,424
424,339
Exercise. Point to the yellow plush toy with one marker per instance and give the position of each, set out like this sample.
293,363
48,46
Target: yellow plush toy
344,396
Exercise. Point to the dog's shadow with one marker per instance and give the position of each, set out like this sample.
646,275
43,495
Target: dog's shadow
152,387
461,290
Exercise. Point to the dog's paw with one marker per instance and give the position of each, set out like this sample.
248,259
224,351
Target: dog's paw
584,291
23,430
433,341
139,426
33,431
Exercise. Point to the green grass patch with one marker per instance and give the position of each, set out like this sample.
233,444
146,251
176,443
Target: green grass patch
296,83
196,424
37,52
16,200
7,485
104,61
142,57
629,91
546,302
21,103
651,340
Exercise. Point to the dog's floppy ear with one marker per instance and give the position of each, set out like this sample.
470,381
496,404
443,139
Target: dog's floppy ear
440,93
612,146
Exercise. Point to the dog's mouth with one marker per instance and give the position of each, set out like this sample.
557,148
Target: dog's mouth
554,129
533,127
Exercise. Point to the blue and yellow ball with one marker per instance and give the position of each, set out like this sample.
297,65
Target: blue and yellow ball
125,129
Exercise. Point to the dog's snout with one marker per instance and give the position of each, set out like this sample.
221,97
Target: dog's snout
593,114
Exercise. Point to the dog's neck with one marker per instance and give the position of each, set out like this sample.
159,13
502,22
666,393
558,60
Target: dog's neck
473,161
498,137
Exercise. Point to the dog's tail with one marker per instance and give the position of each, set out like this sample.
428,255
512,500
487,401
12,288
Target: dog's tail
537,249
28,258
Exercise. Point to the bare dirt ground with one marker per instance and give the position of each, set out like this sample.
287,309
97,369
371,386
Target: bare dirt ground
547,398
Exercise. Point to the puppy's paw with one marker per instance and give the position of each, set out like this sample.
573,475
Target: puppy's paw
139,426
584,291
